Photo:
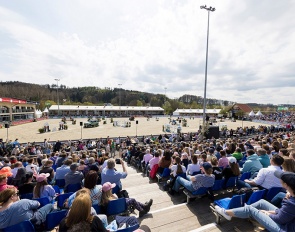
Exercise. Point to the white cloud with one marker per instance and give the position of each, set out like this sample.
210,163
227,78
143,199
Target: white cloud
149,45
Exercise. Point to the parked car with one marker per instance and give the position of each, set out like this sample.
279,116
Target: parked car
91,123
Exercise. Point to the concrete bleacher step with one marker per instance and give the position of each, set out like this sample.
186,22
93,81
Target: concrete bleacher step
212,227
169,213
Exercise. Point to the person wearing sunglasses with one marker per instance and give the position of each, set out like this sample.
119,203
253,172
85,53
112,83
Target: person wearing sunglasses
13,210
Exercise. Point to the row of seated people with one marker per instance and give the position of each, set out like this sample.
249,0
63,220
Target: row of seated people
265,178
98,195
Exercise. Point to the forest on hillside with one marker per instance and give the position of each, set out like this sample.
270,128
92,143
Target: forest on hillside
47,95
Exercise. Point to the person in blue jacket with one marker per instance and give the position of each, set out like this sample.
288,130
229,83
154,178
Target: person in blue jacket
252,163
269,216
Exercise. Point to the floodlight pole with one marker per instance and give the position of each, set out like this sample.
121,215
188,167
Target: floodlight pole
165,94
205,85
120,98
57,80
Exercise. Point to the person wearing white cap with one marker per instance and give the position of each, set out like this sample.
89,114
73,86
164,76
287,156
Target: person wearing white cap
42,188
232,171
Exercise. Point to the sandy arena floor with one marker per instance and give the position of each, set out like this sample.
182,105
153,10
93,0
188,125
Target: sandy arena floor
29,132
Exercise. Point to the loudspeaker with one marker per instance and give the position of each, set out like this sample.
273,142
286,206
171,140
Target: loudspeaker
213,132
81,123
6,125
136,121
207,118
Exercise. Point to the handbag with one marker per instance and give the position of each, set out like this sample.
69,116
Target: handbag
123,194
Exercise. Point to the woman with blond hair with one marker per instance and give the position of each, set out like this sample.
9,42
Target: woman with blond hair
79,217
288,165
285,144
13,210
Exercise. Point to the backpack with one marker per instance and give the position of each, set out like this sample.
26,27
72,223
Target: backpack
154,171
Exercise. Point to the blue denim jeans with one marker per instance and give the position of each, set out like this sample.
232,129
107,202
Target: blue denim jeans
183,182
243,184
40,214
277,200
254,212
103,219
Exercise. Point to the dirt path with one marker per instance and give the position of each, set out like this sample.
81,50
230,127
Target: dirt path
29,132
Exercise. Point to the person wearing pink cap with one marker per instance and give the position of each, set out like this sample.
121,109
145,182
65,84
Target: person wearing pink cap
107,196
42,188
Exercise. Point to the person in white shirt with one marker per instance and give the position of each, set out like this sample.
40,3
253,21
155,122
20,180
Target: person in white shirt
147,157
17,165
177,168
31,167
265,177
194,166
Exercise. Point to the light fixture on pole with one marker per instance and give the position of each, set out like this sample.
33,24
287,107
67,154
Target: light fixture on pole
7,127
81,125
57,80
205,86
120,97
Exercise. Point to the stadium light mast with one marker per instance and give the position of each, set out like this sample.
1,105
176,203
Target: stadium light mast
209,9
120,98
57,80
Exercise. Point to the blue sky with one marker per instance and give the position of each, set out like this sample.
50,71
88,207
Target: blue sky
150,45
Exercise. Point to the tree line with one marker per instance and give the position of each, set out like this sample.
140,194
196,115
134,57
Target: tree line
47,95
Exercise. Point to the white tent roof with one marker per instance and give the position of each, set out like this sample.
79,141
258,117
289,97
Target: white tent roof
252,113
259,113
196,111
45,111
38,112
105,108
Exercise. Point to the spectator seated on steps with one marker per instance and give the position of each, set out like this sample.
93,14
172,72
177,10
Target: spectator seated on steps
206,179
